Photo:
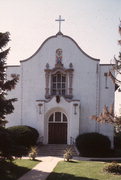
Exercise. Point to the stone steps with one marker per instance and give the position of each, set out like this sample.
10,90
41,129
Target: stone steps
55,150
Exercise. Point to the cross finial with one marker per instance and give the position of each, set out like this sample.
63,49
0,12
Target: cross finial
59,20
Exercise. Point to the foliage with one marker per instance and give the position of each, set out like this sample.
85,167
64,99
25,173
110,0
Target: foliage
116,65
5,143
18,151
93,145
108,116
33,153
14,170
24,135
113,167
6,105
8,147
117,140
68,154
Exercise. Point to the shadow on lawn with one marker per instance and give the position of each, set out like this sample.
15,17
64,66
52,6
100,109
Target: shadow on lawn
71,161
106,160
11,171
63,176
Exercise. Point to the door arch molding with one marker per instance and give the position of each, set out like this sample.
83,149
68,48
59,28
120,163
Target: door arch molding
46,118
57,128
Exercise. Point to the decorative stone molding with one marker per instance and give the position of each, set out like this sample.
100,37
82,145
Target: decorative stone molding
67,73
47,75
40,105
75,110
106,80
70,83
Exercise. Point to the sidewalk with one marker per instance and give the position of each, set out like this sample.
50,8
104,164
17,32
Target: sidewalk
43,169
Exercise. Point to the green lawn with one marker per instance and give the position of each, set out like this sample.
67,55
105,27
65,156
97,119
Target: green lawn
12,171
81,170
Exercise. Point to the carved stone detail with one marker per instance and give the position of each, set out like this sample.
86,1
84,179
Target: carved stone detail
59,68
47,83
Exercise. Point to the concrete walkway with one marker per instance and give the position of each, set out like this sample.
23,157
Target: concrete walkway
43,169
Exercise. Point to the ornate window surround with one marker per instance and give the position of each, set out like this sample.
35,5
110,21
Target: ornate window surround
59,68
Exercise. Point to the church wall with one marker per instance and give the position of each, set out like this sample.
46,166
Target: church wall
106,98
32,88
14,118
88,78
117,102
84,80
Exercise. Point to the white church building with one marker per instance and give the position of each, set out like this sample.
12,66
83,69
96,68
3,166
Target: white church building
60,87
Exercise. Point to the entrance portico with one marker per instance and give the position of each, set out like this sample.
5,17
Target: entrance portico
60,121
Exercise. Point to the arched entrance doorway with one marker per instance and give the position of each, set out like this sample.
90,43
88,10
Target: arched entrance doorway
57,128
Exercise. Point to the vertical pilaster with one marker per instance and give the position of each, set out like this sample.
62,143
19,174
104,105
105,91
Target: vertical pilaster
70,83
47,84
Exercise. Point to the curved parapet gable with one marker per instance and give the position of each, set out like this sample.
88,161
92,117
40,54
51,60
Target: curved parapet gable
55,36
81,49
38,48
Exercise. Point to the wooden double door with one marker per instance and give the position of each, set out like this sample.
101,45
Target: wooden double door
57,129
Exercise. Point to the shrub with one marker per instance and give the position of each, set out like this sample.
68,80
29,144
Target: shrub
24,135
18,151
113,167
68,154
117,140
33,153
93,145
5,142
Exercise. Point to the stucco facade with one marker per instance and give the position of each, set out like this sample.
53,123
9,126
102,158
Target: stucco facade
83,91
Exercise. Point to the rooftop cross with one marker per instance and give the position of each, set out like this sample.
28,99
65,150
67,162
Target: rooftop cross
59,20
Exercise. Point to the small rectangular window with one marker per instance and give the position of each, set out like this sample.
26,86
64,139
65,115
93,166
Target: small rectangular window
58,77
57,116
64,118
63,79
54,92
51,118
63,85
59,85
63,92
54,78
54,85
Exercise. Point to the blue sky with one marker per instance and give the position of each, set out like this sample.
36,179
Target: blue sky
93,24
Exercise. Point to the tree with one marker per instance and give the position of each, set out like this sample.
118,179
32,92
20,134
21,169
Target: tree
116,65
6,105
107,115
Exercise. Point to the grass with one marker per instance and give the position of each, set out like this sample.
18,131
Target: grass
81,170
14,170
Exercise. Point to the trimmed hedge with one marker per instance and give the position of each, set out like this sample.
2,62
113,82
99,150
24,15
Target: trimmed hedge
6,142
117,140
18,151
93,145
23,135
